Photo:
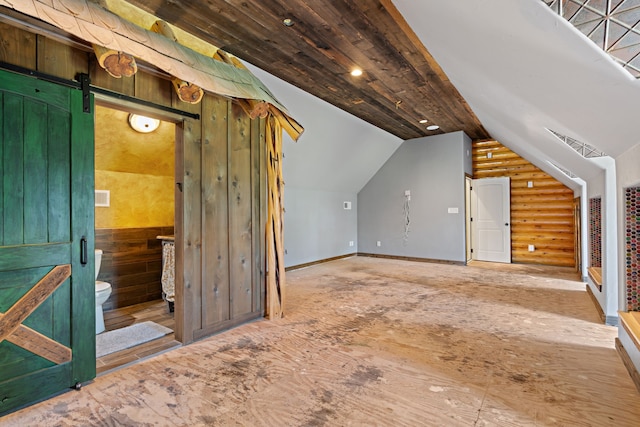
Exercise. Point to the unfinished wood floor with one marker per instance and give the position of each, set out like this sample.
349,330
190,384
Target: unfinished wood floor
155,311
377,342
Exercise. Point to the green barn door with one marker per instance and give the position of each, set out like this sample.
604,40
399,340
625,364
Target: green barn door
47,293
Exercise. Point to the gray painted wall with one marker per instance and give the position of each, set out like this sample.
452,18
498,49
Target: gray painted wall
433,170
317,226
334,158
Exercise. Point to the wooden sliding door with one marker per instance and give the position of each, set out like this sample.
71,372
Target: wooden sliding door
47,308
221,220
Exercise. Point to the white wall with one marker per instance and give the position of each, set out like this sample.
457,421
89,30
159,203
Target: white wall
628,167
433,170
334,158
604,186
525,69
595,188
628,175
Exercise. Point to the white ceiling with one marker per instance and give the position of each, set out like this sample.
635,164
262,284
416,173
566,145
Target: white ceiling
522,69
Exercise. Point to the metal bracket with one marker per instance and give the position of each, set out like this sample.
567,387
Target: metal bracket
85,83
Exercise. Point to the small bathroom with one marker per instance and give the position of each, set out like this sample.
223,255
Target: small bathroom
134,232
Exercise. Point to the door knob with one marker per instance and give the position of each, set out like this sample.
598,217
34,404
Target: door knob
506,224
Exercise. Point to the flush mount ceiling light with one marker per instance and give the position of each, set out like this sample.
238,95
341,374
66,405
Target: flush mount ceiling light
356,72
288,22
433,127
143,124
423,121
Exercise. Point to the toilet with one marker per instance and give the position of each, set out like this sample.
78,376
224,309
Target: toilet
103,290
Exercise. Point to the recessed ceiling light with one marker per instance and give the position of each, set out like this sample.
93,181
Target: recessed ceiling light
356,72
423,121
288,22
433,127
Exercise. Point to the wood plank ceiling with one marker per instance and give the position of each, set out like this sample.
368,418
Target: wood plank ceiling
401,84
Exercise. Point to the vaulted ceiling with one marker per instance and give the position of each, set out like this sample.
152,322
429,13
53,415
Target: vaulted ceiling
401,83
511,71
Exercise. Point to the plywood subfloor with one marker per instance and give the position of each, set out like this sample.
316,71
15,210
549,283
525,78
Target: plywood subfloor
377,342
155,311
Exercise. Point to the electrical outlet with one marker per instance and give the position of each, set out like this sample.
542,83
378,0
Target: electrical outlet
378,243
532,248
351,243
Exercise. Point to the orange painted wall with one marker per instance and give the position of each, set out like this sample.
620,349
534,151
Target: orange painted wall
138,170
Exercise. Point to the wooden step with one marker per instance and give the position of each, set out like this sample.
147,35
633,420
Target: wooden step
595,273
630,321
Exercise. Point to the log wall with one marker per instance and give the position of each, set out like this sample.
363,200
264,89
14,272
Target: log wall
220,185
542,215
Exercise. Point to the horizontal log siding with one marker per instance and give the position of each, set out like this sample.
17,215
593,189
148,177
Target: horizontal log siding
541,216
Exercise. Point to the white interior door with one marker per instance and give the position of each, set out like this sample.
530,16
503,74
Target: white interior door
491,219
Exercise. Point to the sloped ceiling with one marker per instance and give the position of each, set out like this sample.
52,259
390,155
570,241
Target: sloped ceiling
518,67
337,151
401,84
522,69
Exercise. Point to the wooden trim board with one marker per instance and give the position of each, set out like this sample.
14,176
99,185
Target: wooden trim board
603,318
320,261
630,321
228,324
409,258
626,360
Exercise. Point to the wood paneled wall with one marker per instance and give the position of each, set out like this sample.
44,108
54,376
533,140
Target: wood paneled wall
542,215
132,263
220,187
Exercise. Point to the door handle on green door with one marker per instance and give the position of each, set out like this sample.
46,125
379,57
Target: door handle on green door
83,250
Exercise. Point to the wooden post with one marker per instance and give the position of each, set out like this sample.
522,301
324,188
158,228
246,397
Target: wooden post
274,233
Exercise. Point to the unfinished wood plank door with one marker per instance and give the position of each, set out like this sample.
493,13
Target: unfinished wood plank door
240,204
47,296
188,225
215,227
230,221
259,211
